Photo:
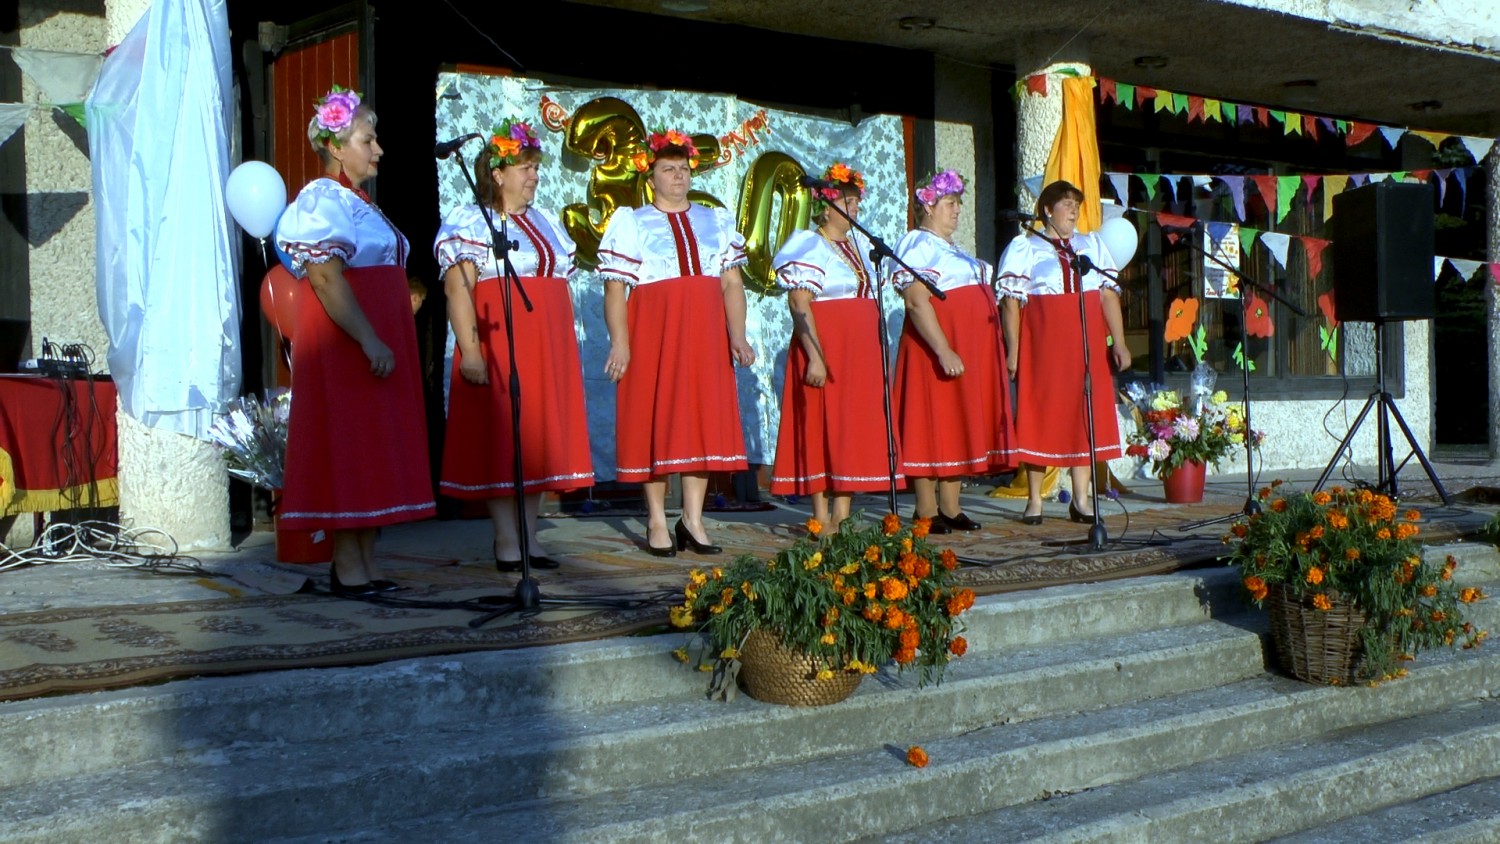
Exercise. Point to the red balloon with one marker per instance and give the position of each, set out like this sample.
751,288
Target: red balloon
278,301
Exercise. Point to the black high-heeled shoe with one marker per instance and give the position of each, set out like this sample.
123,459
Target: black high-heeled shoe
1078,515
959,522
669,551
536,563
384,586
1031,518
685,540
358,590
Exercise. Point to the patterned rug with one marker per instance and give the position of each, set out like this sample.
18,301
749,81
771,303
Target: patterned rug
71,650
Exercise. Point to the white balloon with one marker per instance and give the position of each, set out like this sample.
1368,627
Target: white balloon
1120,239
256,196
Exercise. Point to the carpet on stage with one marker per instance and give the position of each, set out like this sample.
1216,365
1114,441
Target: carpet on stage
72,650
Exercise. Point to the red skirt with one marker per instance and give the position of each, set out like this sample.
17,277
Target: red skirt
677,408
356,454
478,460
832,438
952,427
1051,429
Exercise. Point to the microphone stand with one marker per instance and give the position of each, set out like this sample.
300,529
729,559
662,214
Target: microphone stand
1251,506
878,250
528,595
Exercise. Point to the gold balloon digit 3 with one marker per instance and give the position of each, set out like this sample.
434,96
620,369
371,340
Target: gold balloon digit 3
609,131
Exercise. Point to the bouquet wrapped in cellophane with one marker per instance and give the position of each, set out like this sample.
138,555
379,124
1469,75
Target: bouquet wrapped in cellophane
251,434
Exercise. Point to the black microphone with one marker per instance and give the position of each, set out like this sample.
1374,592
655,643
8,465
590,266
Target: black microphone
819,184
1019,216
446,148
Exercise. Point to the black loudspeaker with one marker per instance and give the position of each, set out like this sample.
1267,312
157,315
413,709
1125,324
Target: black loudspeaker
1382,253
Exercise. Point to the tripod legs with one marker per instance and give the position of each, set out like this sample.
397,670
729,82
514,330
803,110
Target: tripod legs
1382,402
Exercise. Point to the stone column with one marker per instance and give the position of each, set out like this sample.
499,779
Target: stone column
1038,119
168,481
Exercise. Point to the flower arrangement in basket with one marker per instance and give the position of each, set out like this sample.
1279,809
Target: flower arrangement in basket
848,602
251,436
1322,551
1170,431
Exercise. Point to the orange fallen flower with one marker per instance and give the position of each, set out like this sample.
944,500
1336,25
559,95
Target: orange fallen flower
916,757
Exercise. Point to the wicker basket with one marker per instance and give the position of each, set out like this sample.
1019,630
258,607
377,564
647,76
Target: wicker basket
774,674
1318,646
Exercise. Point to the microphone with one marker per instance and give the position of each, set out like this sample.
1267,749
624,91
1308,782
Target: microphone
1018,216
819,184
447,148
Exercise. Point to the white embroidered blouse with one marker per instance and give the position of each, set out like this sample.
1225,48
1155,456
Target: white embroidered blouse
544,249
944,264
645,245
1035,266
830,269
327,220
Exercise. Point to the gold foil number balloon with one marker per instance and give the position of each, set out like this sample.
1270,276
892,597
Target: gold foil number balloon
607,130
774,176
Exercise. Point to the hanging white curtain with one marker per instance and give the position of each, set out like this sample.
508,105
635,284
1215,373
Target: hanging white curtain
168,253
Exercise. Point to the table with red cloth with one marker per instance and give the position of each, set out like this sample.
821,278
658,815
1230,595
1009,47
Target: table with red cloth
58,448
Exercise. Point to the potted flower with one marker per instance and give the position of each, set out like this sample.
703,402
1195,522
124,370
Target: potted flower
1349,593
1180,442
806,625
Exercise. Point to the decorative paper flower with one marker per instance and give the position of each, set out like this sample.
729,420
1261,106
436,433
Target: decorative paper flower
1258,317
662,139
843,174
334,113
1181,316
508,140
940,185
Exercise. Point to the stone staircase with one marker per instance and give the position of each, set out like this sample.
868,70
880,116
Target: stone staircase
1135,710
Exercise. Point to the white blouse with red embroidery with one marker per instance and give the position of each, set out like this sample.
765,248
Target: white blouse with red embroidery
944,264
1033,265
327,220
645,245
830,269
544,249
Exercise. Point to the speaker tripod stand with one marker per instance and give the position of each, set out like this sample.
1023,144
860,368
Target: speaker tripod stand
1384,406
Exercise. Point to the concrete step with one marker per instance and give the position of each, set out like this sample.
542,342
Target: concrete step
1469,814
272,788
1305,785
67,736
871,792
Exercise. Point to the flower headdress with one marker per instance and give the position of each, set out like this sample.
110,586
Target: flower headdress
841,173
508,140
939,185
663,139
334,113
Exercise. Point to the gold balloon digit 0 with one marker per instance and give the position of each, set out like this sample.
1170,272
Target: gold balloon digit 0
773,174
607,130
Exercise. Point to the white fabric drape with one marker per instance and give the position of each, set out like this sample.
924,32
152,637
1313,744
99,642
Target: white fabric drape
168,253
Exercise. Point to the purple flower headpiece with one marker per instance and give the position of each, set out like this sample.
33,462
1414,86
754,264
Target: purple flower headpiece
940,185
508,140
335,113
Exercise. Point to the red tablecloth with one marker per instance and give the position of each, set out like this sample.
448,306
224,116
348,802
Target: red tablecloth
57,444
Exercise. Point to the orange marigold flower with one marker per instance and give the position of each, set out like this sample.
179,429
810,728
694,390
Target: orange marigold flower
1407,531
1316,532
1321,602
1429,591
850,596
910,638
906,545
915,756
1257,588
959,646
1321,498
908,564
892,589
1265,492
904,656
1278,506
950,559
895,619
872,553
831,616
1338,521
873,612
1413,515
1364,496
921,527
814,527
1315,575
870,591
1383,534
1438,615
1240,530
1470,594
890,524
828,639
1351,554
923,567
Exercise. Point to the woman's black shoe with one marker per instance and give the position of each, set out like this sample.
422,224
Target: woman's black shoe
685,540
515,565
1078,515
358,590
938,524
384,586
1030,518
668,551
959,522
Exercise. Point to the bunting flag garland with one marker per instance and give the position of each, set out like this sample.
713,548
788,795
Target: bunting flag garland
1279,244
12,115
1312,248
1286,189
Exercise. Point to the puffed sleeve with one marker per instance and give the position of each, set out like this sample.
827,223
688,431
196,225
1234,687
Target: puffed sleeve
920,251
1014,274
620,249
1099,254
796,264
734,242
462,237
567,263
317,227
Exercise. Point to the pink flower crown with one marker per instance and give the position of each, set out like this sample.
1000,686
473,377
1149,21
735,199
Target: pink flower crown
508,140
940,185
663,139
334,113
843,174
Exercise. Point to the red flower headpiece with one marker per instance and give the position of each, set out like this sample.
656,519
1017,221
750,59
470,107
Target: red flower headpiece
664,139
843,174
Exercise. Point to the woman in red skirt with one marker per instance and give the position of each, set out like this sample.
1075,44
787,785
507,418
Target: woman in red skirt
950,368
674,303
1044,342
478,453
356,454
832,441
